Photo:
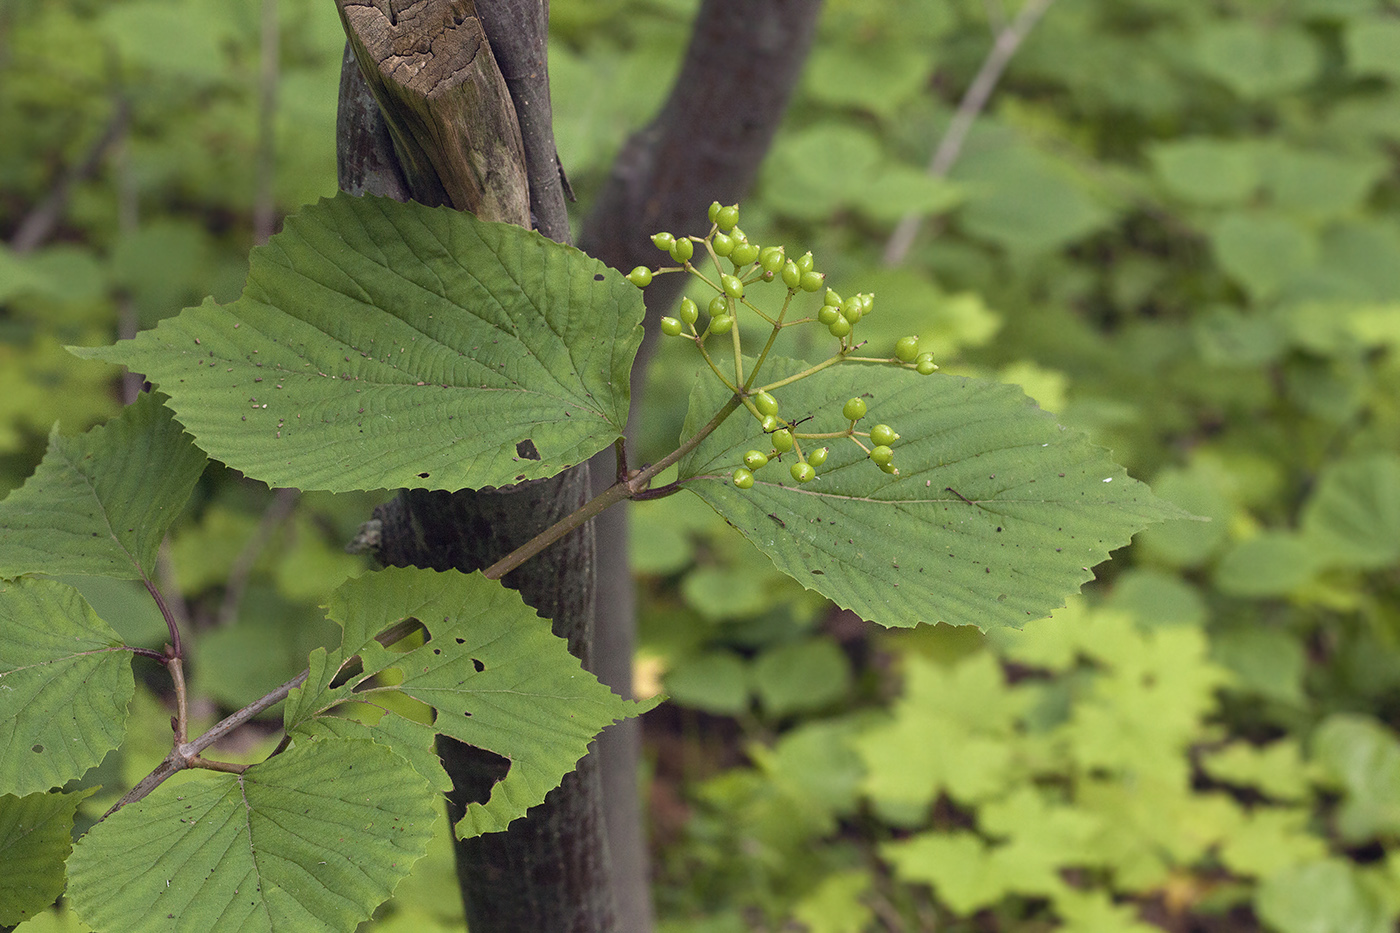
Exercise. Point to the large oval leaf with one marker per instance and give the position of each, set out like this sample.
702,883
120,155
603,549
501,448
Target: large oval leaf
313,839
65,682
382,345
997,515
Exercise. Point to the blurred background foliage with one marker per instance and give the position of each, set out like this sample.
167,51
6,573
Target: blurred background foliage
1176,225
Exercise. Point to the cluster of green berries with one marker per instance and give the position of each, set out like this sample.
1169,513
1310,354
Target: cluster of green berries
740,263
880,450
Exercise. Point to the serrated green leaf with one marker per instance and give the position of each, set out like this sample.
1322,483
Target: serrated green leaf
1254,60
100,503
65,682
313,839
35,839
413,741
382,345
497,676
998,514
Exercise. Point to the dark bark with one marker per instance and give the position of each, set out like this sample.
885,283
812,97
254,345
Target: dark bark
701,147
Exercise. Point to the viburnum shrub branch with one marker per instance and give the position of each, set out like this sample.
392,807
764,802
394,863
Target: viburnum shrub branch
737,264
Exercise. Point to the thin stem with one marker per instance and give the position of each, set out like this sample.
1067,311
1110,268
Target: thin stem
804,374
186,755
974,101
277,511
182,705
777,329
175,646
634,485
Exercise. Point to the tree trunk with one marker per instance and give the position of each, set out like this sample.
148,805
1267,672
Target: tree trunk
551,871
444,141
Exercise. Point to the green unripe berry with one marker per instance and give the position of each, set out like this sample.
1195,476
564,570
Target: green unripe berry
689,312
723,244
811,281
727,217
832,299
717,306
721,325
732,286
881,455
854,409
817,457
867,301
771,258
670,326
792,276
744,254
906,349
640,276
682,251
829,314
890,468
743,478
713,211
663,241
851,310
924,356
805,262
926,367
782,440
770,423
765,403
755,459
883,434
803,472
839,327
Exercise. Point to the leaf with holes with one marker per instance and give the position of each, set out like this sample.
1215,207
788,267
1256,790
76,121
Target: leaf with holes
490,667
100,503
312,839
382,345
65,682
997,515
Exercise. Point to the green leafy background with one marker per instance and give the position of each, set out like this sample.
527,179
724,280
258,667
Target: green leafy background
1175,228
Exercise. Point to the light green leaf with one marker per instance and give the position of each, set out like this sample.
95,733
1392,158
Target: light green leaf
1275,769
492,669
35,839
801,676
808,174
1256,61
998,514
382,345
1363,758
101,502
1322,897
1270,840
1206,171
313,839
1273,563
1353,517
837,904
1027,201
1373,45
65,682
1262,251
716,682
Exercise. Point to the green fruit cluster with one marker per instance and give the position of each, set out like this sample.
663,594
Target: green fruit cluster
737,264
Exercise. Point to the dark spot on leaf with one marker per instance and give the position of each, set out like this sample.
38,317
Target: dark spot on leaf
461,641
526,449
37,749
425,476
478,665
598,277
